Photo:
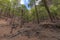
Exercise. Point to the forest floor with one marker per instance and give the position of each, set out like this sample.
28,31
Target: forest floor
29,31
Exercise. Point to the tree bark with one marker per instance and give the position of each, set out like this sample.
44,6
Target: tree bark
22,21
37,15
49,13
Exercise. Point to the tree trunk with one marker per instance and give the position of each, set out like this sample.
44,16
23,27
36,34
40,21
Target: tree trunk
49,13
22,21
36,13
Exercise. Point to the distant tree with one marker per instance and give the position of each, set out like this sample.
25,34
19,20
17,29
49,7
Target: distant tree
47,8
33,3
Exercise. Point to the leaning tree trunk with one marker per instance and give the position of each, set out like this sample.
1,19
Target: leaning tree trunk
49,13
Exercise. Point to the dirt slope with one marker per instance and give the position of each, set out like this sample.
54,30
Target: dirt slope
29,31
